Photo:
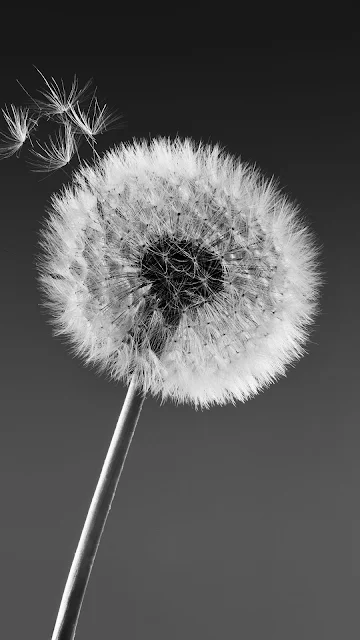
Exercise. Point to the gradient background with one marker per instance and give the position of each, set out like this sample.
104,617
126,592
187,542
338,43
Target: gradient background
234,522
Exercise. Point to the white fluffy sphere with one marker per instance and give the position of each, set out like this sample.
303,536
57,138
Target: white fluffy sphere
178,264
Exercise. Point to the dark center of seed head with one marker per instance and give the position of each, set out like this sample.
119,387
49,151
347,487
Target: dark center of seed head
182,273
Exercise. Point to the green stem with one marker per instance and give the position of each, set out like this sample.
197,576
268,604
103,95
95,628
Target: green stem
67,619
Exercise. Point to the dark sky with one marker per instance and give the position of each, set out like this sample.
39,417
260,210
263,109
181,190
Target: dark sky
233,522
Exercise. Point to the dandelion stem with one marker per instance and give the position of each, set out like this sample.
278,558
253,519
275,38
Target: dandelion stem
69,611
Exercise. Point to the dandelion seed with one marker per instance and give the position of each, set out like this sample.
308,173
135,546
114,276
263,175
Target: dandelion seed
57,102
95,121
20,125
57,153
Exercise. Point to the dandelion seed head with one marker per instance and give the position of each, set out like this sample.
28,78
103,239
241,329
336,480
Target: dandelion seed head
178,264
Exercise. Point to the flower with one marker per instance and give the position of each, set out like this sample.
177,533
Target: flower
177,264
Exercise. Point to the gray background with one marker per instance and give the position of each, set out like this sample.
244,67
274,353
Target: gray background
231,522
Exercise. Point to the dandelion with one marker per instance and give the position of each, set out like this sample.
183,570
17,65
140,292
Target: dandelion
20,126
57,153
171,247
182,271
